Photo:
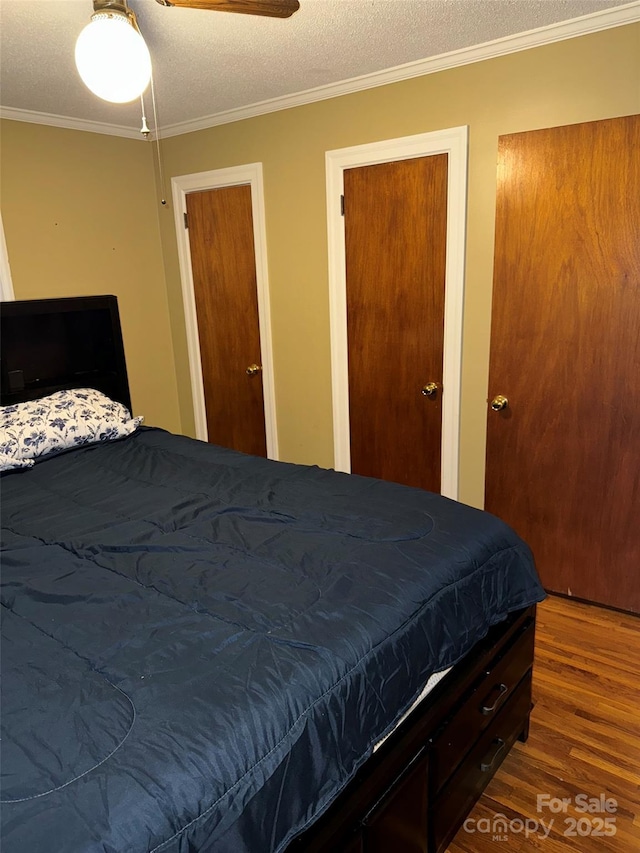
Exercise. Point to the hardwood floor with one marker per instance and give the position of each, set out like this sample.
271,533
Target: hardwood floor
584,740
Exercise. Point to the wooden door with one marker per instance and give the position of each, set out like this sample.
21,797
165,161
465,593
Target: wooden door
563,458
395,236
224,277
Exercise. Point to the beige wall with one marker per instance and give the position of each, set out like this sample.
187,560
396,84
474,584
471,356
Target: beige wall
587,78
80,217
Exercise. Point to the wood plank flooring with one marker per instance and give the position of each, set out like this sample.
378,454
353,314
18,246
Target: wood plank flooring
584,740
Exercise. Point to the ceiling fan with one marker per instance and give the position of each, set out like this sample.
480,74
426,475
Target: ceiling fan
268,8
112,57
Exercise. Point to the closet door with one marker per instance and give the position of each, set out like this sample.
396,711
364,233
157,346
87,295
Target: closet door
563,453
395,253
221,243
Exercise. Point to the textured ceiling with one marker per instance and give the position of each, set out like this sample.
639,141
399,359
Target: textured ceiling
206,63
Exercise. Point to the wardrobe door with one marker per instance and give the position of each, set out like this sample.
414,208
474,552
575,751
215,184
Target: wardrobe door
563,444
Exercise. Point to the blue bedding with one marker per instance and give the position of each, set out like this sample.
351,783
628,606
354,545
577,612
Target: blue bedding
200,648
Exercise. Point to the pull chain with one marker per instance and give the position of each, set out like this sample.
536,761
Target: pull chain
144,130
163,200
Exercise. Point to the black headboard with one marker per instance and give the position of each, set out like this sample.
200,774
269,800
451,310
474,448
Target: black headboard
49,345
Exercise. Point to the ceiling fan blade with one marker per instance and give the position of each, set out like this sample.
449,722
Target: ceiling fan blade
268,8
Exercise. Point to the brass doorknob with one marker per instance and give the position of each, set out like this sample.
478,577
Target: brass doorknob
429,389
253,369
499,403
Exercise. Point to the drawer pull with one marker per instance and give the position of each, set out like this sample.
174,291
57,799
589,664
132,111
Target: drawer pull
489,709
487,765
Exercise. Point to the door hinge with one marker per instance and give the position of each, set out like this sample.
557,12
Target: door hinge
341,205
186,220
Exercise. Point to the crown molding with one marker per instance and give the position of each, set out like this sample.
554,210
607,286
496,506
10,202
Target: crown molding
68,122
603,20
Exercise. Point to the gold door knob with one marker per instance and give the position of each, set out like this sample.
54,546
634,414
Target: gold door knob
499,403
253,369
430,389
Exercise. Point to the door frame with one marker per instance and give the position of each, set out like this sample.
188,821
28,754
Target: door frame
454,143
248,174
6,284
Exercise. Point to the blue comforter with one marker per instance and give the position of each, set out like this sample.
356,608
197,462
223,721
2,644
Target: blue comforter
200,648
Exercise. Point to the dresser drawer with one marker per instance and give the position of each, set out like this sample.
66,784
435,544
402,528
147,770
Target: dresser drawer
480,707
449,809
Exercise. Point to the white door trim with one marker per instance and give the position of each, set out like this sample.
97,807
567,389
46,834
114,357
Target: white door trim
251,174
453,142
6,284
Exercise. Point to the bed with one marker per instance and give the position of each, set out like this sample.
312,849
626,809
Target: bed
207,651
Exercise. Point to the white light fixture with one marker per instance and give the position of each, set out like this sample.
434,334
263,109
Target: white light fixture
111,55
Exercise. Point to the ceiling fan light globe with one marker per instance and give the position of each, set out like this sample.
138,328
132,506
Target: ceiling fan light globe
113,59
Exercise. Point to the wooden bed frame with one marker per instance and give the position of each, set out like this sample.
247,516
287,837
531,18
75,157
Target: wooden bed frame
49,345
415,791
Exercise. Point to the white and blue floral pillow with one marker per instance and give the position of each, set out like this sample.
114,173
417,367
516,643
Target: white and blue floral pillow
61,421
7,462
